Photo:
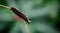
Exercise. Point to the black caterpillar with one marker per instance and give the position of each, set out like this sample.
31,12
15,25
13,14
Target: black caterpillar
21,15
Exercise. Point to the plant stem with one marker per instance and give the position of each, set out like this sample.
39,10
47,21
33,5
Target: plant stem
5,6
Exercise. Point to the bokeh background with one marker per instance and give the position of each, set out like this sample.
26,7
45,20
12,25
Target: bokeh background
43,14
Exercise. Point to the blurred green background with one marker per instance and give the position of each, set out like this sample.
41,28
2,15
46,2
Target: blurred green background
44,16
